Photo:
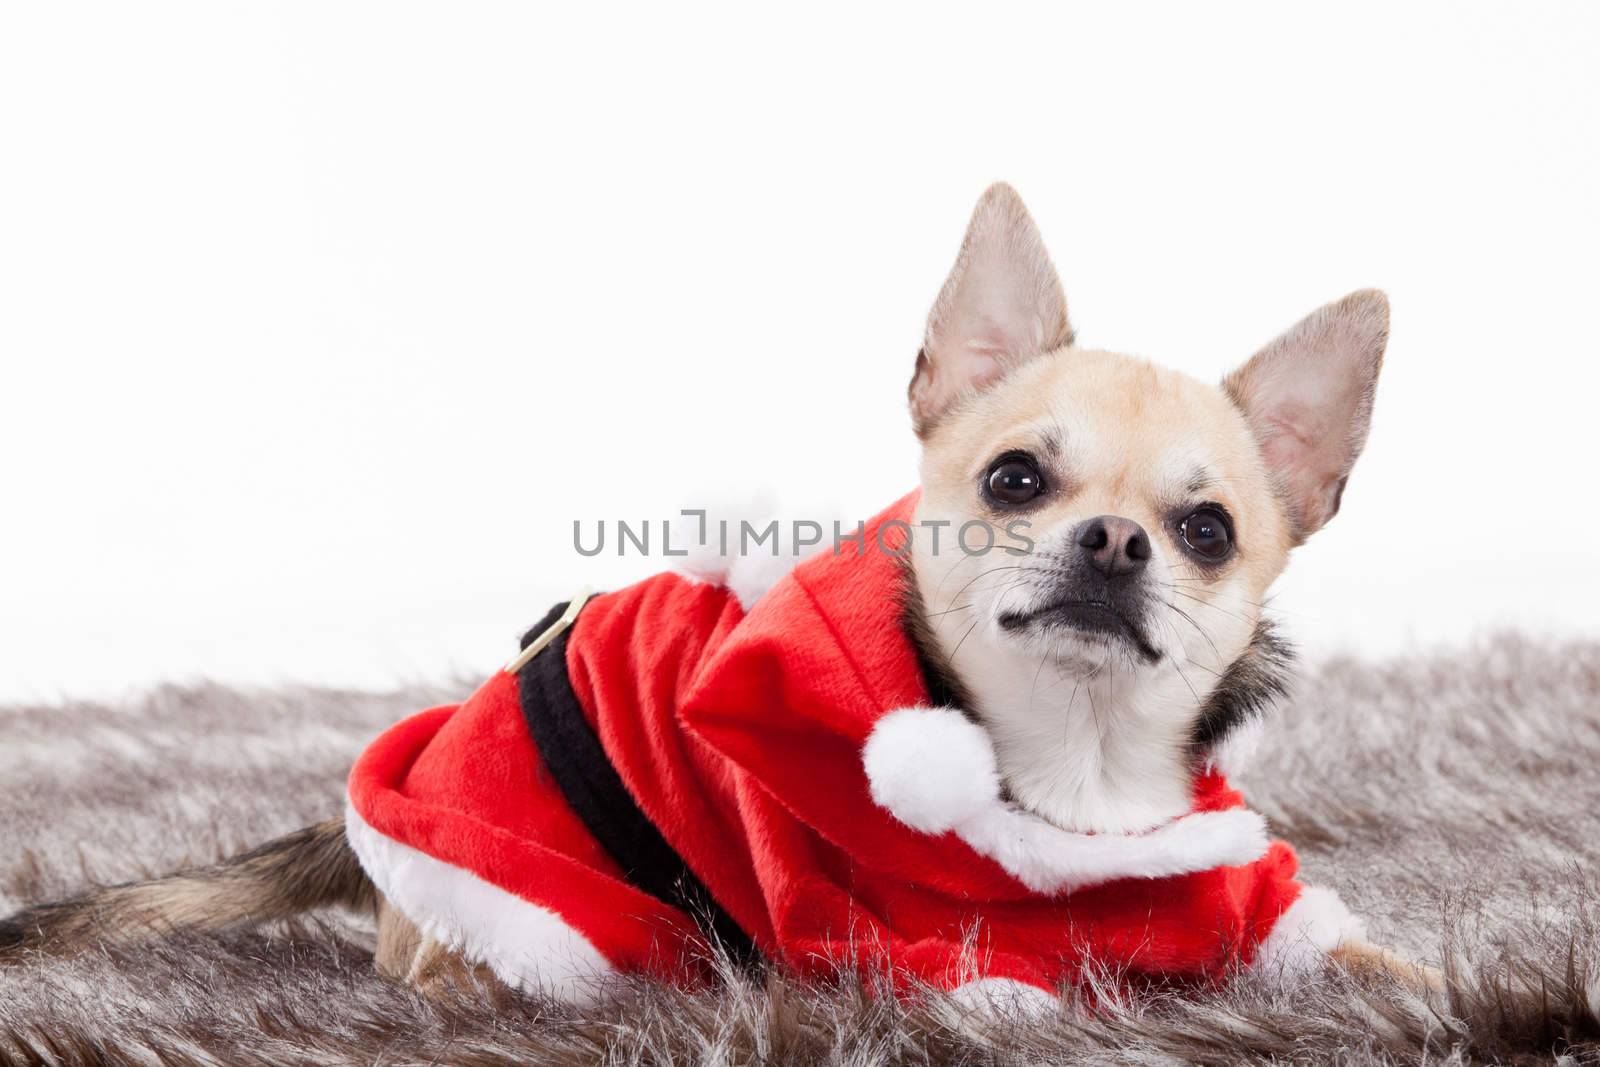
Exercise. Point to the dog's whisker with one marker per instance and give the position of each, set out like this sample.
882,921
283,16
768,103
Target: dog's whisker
979,576
964,637
948,611
1167,625
1201,630
1214,607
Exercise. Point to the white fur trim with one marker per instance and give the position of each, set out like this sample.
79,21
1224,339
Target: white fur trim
704,564
749,577
749,574
934,770
1313,926
912,749
1003,997
527,947
1237,750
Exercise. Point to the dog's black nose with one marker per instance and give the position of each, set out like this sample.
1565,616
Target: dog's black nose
1116,547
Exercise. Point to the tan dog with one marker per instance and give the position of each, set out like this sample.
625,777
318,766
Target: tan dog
1109,664
1192,497
1161,510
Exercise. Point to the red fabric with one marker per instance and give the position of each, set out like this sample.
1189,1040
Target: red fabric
740,736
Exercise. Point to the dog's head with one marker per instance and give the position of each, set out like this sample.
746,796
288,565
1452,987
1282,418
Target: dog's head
1139,515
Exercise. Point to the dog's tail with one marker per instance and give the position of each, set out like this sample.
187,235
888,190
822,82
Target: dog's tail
307,869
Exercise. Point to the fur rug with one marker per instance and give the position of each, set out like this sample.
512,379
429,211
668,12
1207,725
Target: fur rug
1454,801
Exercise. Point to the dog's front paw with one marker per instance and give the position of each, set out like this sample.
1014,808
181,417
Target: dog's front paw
1003,998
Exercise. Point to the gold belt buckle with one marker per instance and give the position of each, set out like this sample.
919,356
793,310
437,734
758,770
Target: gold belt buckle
551,632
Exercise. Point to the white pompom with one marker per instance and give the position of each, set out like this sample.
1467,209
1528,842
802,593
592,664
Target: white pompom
931,768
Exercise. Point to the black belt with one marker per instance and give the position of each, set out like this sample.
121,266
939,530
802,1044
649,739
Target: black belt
595,792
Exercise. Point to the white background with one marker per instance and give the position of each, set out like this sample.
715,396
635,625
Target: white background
319,324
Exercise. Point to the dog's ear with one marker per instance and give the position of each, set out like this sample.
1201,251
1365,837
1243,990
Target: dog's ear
1001,304
1308,397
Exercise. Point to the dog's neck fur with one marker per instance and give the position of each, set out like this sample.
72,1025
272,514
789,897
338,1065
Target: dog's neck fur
1115,750
1107,750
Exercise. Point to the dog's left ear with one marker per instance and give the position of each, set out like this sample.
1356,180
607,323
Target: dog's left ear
1308,397
1001,305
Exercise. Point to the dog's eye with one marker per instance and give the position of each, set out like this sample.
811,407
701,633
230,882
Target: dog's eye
1013,480
1207,534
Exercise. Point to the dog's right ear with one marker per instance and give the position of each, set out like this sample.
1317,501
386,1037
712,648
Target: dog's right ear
1308,397
1001,305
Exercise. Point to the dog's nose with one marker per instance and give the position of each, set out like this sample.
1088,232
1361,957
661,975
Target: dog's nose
1116,547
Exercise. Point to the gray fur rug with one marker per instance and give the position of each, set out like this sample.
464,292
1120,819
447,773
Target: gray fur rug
1454,801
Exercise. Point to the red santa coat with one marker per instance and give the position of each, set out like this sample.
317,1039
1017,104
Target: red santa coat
675,765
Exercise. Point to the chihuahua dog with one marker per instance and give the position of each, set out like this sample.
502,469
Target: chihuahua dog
1109,673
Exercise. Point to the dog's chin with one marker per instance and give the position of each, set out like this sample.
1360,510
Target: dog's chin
1081,634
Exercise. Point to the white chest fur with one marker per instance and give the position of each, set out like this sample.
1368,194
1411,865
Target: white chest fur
1094,747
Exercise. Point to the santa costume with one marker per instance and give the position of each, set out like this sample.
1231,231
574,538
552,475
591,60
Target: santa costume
674,765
